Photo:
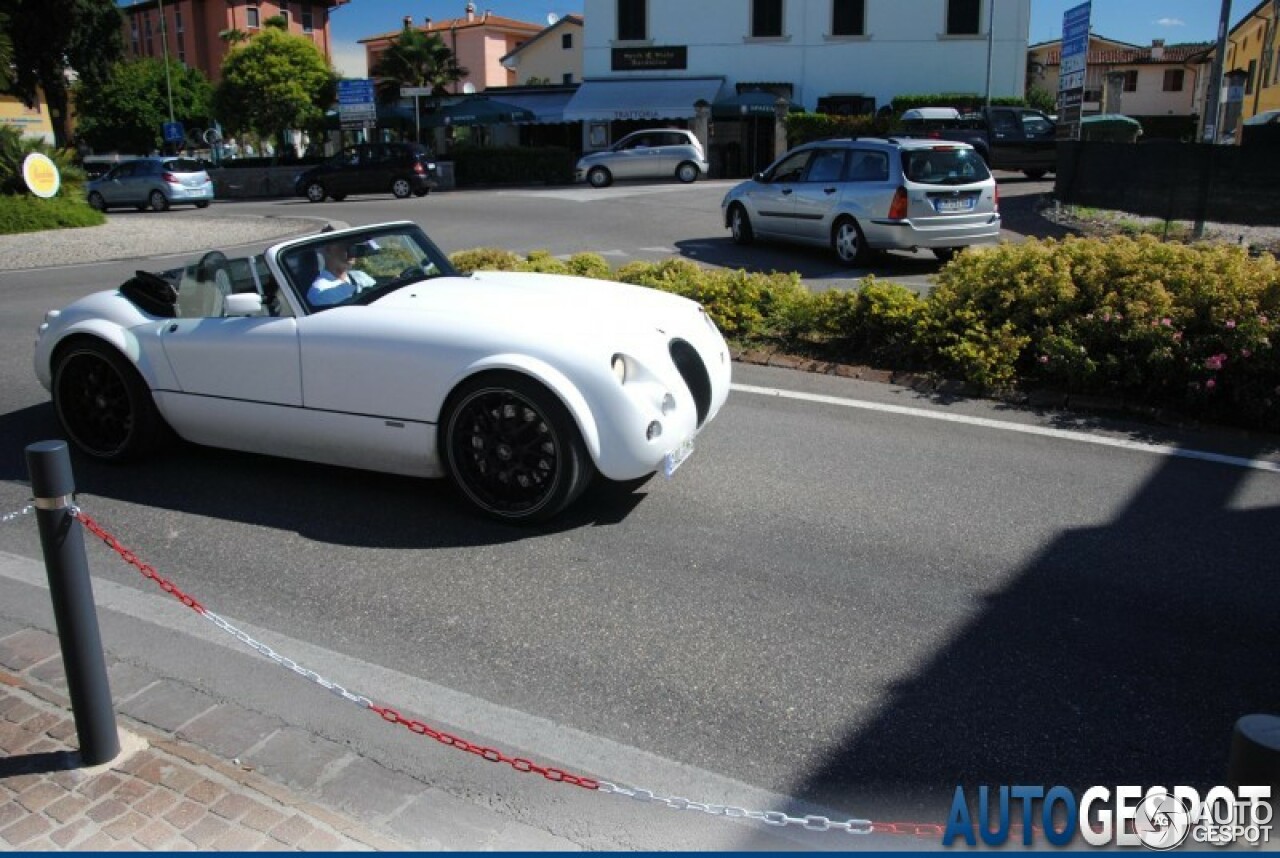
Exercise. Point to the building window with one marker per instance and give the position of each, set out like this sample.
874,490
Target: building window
964,17
1173,79
633,24
1253,73
251,17
566,41
136,46
308,20
1131,80
284,12
848,17
146,34
766,18
177,20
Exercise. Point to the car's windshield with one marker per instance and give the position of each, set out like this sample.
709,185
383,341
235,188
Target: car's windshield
944,165
373,263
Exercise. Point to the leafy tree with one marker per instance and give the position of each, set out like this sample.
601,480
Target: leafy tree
233,36
415,58
1041,99
6,47
126,111
273,82
53,37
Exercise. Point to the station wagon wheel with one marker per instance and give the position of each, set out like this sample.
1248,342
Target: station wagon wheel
315,192
512,448
159,202
96,201
687,172
401,189
103,404
848,242
599,177
740,225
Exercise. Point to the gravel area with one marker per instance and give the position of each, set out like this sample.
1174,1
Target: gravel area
1104,222
130,236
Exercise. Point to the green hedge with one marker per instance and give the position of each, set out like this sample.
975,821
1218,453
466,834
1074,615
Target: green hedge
962,101
512,165
805,127
1192,328
27,213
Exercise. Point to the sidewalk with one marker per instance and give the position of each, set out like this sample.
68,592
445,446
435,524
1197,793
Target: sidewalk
166,792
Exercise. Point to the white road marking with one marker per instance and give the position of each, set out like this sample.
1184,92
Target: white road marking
1044,431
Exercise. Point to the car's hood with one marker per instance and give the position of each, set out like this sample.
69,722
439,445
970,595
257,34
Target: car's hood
554,302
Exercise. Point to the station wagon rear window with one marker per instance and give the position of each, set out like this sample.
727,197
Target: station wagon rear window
944,166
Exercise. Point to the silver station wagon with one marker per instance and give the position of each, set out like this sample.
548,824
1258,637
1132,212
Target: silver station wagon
858,195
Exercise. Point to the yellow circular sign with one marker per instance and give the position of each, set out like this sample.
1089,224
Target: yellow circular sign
41,175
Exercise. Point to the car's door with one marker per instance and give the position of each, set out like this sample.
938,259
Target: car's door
772,200
668,154
818,194
1005,139
1041,136
345,175
635,157
375,169
116,188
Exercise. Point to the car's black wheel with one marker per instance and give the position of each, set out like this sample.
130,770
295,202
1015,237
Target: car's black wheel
158,201
946,254
422,193
401,189
687,172
599,177
97,202
315,192
1035,175
203,204
512,448
740,225
103,404
848,242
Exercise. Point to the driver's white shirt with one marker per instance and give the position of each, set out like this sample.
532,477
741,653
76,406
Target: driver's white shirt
328,288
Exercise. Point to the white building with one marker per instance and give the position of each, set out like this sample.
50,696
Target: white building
647,62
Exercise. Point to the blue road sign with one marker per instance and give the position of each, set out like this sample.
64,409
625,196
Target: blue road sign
172,132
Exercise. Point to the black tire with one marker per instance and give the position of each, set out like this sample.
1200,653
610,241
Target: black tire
97,202
512,448
848,242
103,404
740,225
203,204
422,193
158,201
1035,175
338,197
599,177
687,172
315,192
946,254
401,189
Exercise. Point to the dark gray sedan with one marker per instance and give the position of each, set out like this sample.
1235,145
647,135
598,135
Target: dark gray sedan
154,183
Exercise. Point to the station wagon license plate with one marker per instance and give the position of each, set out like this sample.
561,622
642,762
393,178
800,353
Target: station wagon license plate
954,204
676,457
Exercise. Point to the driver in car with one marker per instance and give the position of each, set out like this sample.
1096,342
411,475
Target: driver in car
337,281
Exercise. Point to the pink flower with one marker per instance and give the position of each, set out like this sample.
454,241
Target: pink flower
1167,322
1044,358
1262,319
1119,318
1231,324
1177,336
1215,362
1244,353
1106,317
1210,384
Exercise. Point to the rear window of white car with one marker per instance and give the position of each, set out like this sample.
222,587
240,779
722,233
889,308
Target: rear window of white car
944,166
183,165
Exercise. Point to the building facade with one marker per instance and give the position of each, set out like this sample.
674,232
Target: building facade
553,56
479,41
1251,50
189,31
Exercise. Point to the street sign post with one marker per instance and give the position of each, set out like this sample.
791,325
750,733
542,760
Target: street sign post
1072,70
356,108
415,92
173,132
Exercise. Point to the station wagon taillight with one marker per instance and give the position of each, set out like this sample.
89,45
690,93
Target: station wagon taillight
898,208
418,168
995,198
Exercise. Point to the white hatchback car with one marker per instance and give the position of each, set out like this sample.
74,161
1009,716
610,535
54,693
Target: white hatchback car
659,153
856,195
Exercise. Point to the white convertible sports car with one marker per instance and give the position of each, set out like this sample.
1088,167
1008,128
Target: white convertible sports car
519,387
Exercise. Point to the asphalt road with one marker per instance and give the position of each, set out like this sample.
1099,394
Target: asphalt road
840,598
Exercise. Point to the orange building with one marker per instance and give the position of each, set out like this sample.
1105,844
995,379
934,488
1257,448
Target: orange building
192,27
479,41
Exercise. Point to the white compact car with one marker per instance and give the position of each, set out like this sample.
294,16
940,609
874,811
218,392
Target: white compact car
659,153
519,387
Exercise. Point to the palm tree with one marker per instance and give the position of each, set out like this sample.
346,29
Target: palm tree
416,58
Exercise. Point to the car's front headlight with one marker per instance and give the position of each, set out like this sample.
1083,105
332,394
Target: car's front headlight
619,367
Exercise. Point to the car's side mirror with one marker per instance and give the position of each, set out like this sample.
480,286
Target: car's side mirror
761,177
242,304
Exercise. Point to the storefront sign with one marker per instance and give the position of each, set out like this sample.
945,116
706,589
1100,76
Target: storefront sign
671,58
41,175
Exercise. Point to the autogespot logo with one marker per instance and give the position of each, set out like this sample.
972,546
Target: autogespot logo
1158,818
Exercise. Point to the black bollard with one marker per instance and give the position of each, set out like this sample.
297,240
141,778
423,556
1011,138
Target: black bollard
1255,755
62,539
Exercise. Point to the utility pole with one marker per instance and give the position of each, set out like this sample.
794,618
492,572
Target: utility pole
1212,97
991,28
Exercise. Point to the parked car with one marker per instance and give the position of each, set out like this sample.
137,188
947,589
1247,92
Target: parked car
519,387
403,169
659,153
1007,138
155,183
857,195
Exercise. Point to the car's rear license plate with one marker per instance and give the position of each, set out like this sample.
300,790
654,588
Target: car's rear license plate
962,204
676,457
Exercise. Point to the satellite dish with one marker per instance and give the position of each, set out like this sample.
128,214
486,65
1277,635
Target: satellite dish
552,17
469,88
